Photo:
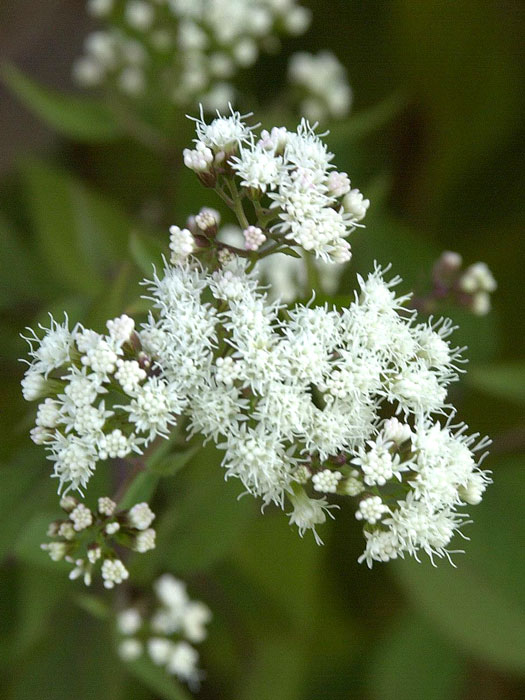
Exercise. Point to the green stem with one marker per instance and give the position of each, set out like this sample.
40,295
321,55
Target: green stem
264,216
222,194
312,273
237,207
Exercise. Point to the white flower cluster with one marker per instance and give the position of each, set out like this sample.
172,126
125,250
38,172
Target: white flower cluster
427,472
289,174
98,398
470,287
191,50
322,83
169,632
87,539
307,402
296,402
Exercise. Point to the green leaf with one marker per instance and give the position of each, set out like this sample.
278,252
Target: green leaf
506,381
79,118
172,463
435,671
480,605
81,235
388,240
142,489
291,252
157,679
206,520
146,251
119,298
27,546
287,571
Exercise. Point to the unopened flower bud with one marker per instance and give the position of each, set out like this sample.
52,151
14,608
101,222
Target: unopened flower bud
208,219
356,205
68,503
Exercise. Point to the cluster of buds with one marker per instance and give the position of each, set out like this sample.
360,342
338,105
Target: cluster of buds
88,539
287,178
99,396
470,287
199,237
167,632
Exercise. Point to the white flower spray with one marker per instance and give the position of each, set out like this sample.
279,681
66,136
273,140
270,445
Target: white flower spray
312,406
297,397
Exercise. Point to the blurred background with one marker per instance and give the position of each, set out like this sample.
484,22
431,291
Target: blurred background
434,139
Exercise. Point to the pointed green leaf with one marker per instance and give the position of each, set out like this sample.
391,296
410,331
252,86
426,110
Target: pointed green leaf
18,270
364,122
81,235
142,489
79,118
74,659
172,463
94,605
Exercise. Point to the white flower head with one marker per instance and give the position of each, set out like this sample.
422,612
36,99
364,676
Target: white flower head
355,205
223,133
140,516
182,661
145,541
106,506
113,572
34,385
308,513
74,460
130,649
326,481
52,350
81,517
121,328
371,509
